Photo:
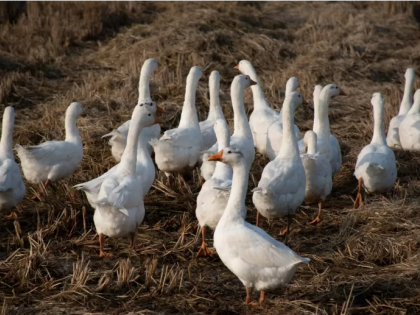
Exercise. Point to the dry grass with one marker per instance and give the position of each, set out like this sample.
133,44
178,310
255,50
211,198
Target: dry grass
363,261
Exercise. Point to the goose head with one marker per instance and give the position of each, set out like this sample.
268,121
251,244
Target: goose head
245,67
291,85
195,73
243,81
150,65
231,156
145,116
75,109
331,90
214,78
409,74
376,99
151,105
295,98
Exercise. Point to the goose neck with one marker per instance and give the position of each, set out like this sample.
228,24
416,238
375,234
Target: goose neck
289,147
72,133
144,84
129,157
407,100
378,127
143,155
321,120
235,208
6,143
215,109
189,113
241,124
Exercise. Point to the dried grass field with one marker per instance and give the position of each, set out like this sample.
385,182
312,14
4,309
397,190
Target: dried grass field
363,261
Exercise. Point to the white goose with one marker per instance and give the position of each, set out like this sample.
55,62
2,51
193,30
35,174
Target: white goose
12,188
257,259
215,113
409,129
375,167
118,136
275,130
263,115
327,144
318,174
145,169
281,189
393,138
119,208
242,136
178,149
54,160
214,195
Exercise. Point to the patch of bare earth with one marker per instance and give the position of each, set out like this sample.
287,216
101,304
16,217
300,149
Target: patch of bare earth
362,261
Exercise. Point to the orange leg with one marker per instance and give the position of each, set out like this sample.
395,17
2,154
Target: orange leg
318,218
248,300
41,191
204,250
101,247
287,229
258,218
358,202
262,297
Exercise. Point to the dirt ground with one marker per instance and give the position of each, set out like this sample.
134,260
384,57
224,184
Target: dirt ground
363,261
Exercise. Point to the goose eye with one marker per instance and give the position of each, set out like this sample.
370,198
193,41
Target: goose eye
229,151
336,87
141,104
149,115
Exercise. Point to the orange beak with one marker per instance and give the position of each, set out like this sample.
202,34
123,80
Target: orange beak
159,109
343,93
252,82
216,157
236,67
158,120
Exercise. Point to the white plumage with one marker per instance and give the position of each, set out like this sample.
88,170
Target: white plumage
258,260
178,150
118,139
282,186
409,129
242,136
12,188
375,167
393,136
54,160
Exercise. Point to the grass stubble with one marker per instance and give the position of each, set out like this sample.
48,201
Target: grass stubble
363,261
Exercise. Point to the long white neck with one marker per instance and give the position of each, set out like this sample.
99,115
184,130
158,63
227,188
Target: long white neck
407,100
6,144
143,156
72,133
310,142
144,83
129,157
378,128
322,124
189,116
317,91
235,208
240,121
215,111
222,170
415,109
257,91
289,147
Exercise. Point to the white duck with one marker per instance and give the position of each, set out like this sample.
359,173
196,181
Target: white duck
263,115
327,144
242,136
215,113
257,259
375,167
145,169
118,136
393,138
178,149
275,130
12,188
54,160
214,195
281,189
409,129
318,174
119,208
